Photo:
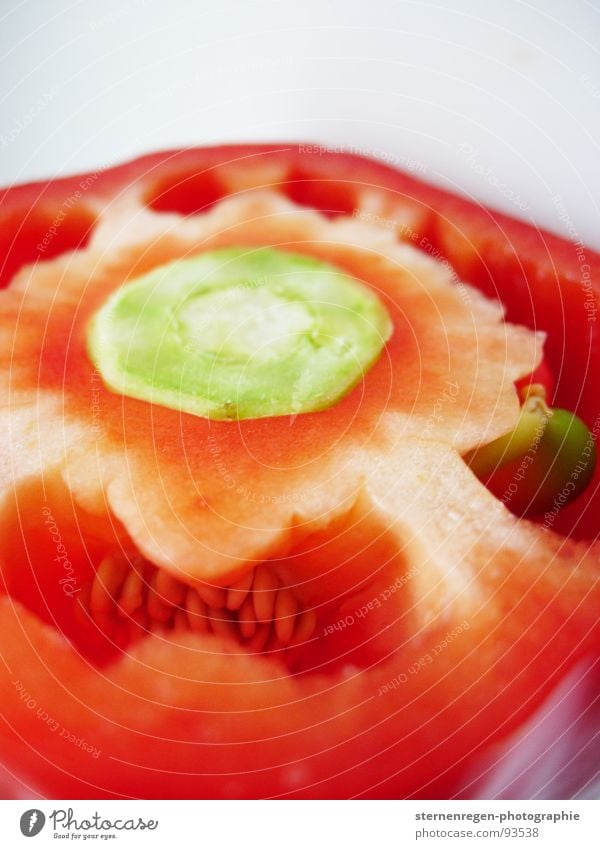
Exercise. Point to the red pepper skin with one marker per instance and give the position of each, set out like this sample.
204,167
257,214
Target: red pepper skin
539,277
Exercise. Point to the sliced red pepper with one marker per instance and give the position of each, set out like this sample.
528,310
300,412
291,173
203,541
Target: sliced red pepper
422,691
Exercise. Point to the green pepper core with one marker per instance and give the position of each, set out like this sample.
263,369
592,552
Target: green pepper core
239,333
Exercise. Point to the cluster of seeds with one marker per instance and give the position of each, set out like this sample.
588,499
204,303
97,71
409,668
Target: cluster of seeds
257,611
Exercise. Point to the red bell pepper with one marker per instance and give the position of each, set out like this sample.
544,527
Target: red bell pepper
82,719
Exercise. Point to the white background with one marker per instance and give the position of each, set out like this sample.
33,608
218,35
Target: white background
500,100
